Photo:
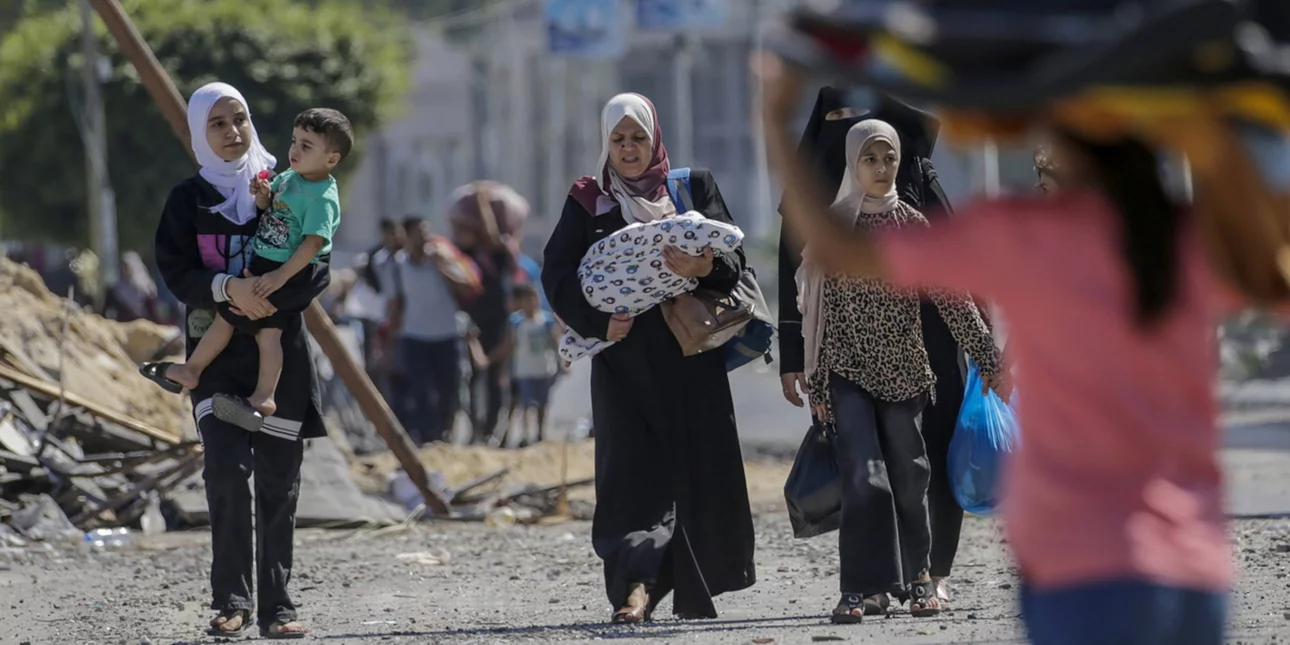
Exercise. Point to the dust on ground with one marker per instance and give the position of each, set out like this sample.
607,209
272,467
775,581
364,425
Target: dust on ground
540,584
540,465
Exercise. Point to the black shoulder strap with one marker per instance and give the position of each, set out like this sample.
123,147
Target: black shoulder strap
933,184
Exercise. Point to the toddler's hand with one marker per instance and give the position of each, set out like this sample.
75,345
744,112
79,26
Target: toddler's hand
269,283
260,188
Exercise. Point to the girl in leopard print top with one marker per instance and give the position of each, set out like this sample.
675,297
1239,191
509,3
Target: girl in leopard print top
868,373
873,334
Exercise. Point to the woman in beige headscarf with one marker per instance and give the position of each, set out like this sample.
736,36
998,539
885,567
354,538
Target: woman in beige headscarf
869,375
672,514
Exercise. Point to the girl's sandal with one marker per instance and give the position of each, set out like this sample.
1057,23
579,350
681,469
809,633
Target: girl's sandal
922,600
156,372
850,610
244,625
282,631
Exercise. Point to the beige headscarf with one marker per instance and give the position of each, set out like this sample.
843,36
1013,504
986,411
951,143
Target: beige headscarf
853,200
645,198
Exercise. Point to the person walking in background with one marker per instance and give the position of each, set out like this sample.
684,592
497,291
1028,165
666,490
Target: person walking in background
368,299
672,509
1114,504
487,219
534,338
134,295
429,278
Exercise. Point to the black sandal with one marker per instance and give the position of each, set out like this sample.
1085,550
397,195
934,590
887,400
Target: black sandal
845,612
237,411
248,622
156,372
922,600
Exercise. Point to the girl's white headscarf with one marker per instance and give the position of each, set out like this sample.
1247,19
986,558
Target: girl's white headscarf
644,199
231,178
851,199
859,138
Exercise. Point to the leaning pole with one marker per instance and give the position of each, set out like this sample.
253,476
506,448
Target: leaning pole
172,104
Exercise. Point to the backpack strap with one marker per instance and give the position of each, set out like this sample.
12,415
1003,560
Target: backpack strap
678,187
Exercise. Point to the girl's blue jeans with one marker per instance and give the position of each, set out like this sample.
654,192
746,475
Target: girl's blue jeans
1123,612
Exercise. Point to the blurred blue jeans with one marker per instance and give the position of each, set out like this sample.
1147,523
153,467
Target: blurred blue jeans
1123,612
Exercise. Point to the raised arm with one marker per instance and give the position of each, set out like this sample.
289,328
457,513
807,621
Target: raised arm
563,253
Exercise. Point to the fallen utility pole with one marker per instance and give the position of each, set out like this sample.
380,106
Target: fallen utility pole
172,104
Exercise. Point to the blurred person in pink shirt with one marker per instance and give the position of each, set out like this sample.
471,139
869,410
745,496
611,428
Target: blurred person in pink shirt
1114,500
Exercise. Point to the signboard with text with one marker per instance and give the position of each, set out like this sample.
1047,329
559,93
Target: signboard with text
585,28
680,14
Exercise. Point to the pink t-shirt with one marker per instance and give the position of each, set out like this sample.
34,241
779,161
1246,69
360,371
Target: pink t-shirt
1117,475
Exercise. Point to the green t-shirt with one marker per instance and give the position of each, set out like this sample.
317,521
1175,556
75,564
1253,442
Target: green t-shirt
299,208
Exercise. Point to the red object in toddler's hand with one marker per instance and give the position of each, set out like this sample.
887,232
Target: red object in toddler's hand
263,174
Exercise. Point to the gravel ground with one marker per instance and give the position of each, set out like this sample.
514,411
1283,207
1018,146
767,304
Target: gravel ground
539,584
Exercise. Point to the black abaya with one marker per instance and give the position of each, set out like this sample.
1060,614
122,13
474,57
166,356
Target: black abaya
672,504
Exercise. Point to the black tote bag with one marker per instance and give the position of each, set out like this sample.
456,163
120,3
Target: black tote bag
813,491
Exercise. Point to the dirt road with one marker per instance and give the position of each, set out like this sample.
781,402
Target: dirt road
539,585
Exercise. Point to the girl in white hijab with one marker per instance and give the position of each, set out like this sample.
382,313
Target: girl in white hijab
232,178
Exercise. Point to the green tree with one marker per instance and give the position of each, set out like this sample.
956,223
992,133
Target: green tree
284,56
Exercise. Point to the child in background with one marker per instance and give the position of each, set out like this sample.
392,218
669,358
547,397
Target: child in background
1115,497
534,337
301,211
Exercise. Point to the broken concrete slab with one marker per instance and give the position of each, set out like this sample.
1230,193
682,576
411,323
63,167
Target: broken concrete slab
328,495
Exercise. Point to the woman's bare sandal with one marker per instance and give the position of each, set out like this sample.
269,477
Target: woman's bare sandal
280,630
231,624
942,590
637,608
923,602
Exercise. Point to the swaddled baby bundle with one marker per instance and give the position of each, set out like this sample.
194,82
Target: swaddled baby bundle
625,272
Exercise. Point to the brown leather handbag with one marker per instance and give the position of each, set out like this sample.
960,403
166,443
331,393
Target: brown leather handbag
705,319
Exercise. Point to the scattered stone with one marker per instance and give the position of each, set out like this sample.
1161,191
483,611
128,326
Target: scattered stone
1006,585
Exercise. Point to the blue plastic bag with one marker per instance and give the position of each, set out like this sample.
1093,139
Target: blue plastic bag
986,433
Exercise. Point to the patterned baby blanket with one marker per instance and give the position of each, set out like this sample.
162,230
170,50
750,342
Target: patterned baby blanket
625,273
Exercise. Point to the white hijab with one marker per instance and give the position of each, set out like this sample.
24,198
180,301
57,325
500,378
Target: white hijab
859,138
635,107
231,178
851,199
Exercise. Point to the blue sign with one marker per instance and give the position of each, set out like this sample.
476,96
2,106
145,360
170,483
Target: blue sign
585,28
680,14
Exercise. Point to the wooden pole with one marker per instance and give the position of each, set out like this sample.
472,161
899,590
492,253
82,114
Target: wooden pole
172,104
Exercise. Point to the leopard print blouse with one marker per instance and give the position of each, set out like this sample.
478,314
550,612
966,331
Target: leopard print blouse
873,334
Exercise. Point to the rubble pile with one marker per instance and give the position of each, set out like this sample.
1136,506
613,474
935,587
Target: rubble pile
85,441
100,357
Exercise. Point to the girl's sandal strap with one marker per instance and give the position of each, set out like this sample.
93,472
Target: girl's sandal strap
850,610
922,600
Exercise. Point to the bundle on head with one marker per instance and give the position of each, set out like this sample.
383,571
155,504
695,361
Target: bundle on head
509,208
